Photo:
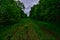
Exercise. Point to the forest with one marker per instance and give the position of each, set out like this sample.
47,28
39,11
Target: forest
42,24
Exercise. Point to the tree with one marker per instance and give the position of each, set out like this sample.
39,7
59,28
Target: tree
46,10
10,13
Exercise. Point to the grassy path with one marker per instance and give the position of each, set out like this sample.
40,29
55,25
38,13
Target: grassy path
26,30
48,29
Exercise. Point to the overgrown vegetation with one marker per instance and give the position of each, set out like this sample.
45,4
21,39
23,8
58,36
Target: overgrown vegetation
43,23
46,10
10,12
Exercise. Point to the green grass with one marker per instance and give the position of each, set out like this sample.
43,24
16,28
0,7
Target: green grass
52,27
26,29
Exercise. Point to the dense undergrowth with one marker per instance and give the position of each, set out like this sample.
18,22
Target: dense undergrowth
11,32
44,19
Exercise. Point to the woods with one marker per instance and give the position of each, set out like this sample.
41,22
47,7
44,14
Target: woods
42,24
10,12
46,10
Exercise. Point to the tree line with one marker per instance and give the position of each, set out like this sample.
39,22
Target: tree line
46,10
10,12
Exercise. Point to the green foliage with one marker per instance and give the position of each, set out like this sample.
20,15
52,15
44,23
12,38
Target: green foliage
46,10
10,13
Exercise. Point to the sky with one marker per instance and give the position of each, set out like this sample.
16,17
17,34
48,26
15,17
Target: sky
28,4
